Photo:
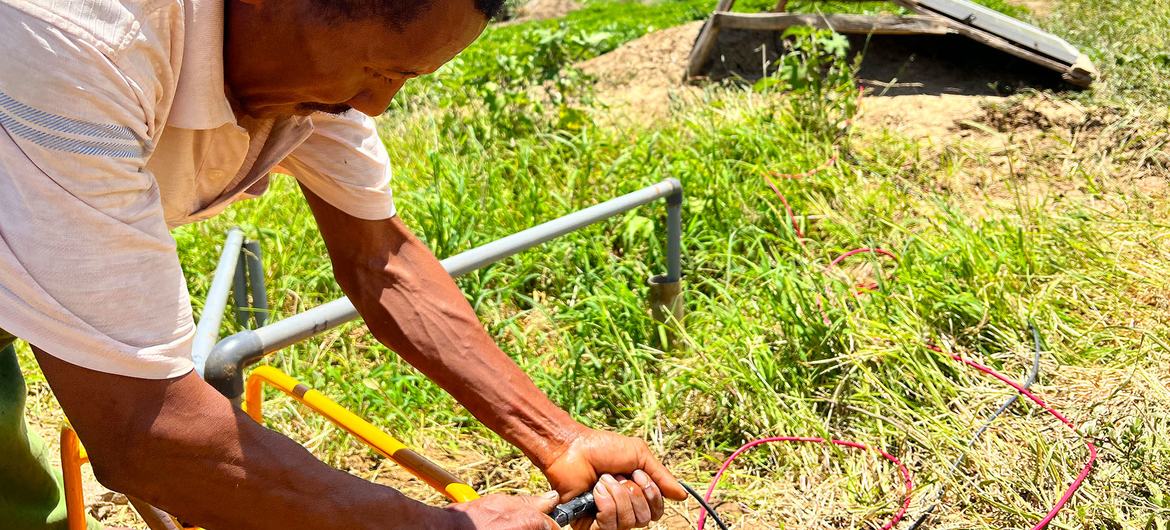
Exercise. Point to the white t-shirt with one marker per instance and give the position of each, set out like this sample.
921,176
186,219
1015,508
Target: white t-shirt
114,128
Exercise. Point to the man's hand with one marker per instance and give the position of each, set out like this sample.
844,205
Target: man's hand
503,512
602,461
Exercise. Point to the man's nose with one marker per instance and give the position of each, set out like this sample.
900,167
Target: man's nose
375,101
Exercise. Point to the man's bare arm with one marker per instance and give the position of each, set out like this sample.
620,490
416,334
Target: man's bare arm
410,304
179,445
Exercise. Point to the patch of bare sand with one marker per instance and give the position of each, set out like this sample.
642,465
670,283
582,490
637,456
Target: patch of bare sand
544,10
641,78
1039,8
1036,149
926,117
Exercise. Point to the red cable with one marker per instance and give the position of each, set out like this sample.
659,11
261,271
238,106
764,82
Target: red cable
788,209
1076,484
907,481
857,251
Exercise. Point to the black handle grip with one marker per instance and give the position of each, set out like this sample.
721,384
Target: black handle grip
582,506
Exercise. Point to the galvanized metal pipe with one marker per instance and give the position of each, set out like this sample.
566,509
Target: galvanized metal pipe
224,368
259,304
240,291
473,259
674,237
207,330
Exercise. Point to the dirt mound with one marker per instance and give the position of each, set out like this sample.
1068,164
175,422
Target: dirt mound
1039,113
545,9
921,116
655,60
929,117
645,74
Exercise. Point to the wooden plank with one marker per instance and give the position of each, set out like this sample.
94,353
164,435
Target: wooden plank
863,24
703,46
1013,30
1080,73
706,41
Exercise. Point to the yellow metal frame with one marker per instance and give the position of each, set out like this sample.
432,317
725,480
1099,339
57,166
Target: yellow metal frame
73,454
387,445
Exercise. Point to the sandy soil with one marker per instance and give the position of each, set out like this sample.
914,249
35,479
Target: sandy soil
1039,8
543,10
643,77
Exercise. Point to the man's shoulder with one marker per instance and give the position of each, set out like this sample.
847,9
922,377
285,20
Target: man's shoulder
111,26
86,77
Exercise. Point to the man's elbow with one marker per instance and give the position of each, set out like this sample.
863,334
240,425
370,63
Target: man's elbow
161,450
121,463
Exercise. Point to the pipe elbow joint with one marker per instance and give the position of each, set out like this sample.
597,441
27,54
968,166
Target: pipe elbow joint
225,364
676,198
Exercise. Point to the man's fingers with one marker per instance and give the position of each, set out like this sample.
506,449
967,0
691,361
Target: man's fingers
665,480
642,512
607,518
651,492
520,512
543,503
622,498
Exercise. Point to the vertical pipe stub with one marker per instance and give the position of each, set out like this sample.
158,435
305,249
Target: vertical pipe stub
666,300
259,304
207,330
666,306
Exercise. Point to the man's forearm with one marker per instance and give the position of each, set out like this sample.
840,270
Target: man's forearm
182,447
411,304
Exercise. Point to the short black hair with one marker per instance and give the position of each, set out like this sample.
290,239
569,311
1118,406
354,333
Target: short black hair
398,13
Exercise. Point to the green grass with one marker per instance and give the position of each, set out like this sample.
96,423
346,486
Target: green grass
1128,42
759,360
1089,269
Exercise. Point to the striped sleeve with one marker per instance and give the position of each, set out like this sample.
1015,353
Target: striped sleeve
88,269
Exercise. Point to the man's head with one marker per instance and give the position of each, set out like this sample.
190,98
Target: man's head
299,56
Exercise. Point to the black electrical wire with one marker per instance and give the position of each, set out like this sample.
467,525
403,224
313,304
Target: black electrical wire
710,511
987,424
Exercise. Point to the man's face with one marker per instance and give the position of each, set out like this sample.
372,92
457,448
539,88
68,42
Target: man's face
280,61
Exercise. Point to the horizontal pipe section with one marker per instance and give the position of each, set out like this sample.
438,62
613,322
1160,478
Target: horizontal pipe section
476,258
224,368
418,465
207,331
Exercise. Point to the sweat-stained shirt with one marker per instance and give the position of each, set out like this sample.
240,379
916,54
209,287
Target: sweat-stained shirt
115,128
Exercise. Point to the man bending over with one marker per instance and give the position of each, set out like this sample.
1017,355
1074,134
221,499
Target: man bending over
122,119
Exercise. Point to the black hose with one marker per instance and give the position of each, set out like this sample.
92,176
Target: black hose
710,511
987,424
